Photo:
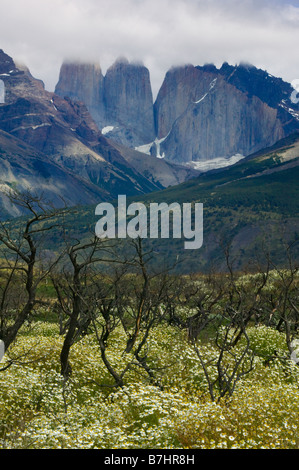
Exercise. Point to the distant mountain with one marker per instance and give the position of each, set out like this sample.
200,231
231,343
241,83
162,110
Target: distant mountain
204,117
53,143
158,171
203,113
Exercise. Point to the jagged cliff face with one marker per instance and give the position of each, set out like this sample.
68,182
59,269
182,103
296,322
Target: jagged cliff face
211,118
129,103
121,103
200,114
181,87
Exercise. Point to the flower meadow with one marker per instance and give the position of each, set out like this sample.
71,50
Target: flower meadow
39,409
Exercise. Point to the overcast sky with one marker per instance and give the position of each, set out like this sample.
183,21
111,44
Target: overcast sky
160,33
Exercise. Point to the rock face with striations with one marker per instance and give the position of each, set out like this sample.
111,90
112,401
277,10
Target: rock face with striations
121,103
129,103
18,81
203,113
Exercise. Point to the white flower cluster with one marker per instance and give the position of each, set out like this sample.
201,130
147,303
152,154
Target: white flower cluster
40,410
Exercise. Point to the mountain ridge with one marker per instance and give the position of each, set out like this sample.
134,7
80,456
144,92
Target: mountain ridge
201,113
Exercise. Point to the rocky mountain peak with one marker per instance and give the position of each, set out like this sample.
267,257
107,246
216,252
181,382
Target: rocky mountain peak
121,60
256,82
77,75
18,81
121,102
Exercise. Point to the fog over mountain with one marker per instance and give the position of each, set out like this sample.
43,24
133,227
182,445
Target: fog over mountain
160,33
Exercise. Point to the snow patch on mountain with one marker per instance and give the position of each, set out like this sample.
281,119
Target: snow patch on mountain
201,99
216,163
156,143
291,111
212,85
145,148
107,130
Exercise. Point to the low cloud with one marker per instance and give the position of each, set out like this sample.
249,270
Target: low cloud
160,33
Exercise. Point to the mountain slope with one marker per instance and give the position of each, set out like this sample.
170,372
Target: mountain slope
157,170
22,167
253,206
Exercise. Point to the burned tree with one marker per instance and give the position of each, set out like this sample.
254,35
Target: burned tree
24,261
